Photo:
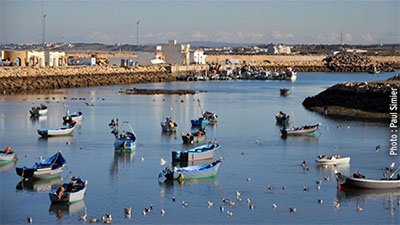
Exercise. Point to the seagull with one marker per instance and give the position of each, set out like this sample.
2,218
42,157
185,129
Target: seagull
83,217
304,164
162,162
162,212
337,147
274,205
251,206
239,199
221,208
377,147
320,201
210,204
237,193
359,208
185,204
318,187
93,220
173,199
306,188
232,203
318,181
283,187
248,179
29,219
337,205
248,201
257,141
229,213
142,159
128,210
270,187
225,200
293,210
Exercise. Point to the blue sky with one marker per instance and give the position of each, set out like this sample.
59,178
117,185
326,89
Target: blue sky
234,21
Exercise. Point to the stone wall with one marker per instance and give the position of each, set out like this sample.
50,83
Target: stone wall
29,80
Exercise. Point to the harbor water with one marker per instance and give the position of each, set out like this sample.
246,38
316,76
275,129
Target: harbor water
263,167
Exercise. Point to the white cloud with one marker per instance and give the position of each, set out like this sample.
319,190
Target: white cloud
366,37
347,37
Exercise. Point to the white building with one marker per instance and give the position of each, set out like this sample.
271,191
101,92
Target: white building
198,57
279,49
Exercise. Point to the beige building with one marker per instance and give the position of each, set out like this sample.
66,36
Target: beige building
175,53
33,58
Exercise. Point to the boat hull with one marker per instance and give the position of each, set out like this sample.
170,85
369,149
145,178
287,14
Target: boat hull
202,152
192,139
43,173
7,158
332,160
301,131
124,145
194,172
362,183
60,131
68,197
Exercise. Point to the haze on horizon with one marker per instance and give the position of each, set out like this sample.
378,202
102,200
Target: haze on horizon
229,21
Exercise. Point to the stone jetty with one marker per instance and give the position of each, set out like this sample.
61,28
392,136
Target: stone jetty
356,100
32,80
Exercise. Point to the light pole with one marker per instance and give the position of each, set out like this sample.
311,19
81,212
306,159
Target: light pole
137,33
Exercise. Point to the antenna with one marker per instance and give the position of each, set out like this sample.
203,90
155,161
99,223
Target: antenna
44,26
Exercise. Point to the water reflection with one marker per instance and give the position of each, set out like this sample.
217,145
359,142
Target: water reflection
59,210
67,139
169,137
8,166
37,185
121,158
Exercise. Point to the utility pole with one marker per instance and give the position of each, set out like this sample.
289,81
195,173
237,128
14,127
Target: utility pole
137,33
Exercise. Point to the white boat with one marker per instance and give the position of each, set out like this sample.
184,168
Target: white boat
306,130
202,152
192,172
57,131
359,181
75,116
332,160
69,192
7,156
38,111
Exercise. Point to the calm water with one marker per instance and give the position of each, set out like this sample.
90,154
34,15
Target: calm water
246,112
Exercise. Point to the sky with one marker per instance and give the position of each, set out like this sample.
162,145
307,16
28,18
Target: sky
230,21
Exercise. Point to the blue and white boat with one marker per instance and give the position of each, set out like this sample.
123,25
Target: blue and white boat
202,152
200,122
71,117
45,169
38,111
125,140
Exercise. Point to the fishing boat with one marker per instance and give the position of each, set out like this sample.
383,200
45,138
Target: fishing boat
202,152
125,141
69,192
332,160
284,92
191,172
359,181
290,74
67,129
211,117
306,130
45,169
40,110
282,118
75,116
7,156
192,138
168,125
200,122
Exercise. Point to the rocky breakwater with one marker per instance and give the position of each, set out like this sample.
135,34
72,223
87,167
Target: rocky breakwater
350,63
357,100
32,80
